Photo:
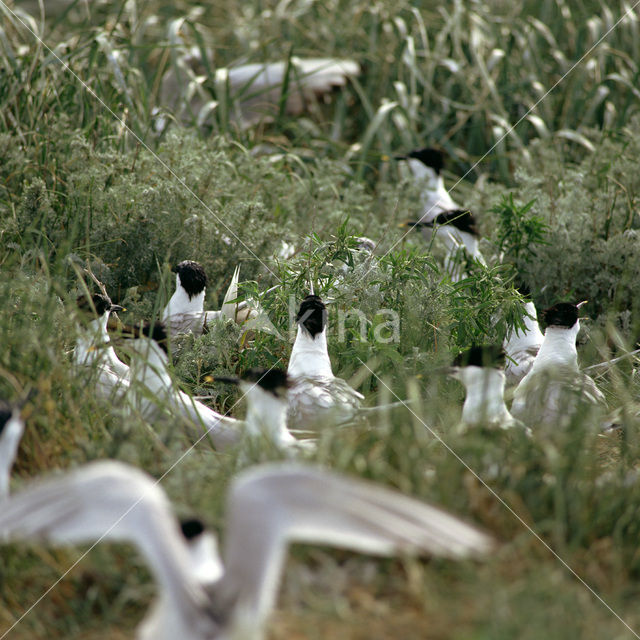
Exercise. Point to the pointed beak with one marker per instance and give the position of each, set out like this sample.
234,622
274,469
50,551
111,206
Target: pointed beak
580,304
225,379
116,308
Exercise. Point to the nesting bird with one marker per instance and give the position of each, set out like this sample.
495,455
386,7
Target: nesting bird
426,166
315,393
266,391
455,226
202,596
555,389
11,432
94,349
185,312
479,369
153,392
522,346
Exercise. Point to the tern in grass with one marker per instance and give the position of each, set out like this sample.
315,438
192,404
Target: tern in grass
480,370
94,349
315,393
426,166
555,389
522,345
153,392
11,431
185,312
201,595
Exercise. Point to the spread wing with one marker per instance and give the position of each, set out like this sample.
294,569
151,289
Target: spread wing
109,501
273,505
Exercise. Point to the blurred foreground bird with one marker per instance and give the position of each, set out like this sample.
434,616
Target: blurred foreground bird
315,394
480,371
201,595
555,389
11,431
153,393
252,93
94,349
522,346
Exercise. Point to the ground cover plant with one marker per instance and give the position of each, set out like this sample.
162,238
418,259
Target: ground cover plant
105,176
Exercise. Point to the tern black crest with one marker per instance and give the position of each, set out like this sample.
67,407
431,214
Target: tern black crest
461,219
192,277
192,528
430,157
522,288
98,301
563,314
274,381
312,315
481,356
5,415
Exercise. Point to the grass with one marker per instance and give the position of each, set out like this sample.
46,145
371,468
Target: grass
78,190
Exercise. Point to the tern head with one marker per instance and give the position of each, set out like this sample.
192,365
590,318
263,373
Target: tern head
191,276
563,315
272,381
365,244
155,332
522,288
428,156
8,414
478,356
97,305
312,315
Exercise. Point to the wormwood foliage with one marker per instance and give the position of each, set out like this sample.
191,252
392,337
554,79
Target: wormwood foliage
288,200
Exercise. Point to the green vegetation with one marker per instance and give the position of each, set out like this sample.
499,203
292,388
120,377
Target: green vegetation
557,200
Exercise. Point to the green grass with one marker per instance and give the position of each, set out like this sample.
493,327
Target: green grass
78,190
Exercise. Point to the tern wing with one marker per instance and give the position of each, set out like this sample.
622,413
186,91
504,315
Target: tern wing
273,505
228,309
109,501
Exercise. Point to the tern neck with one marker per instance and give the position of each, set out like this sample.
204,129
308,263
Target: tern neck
9,442
309,356
267,416
181,303
484,401
90,340
558,348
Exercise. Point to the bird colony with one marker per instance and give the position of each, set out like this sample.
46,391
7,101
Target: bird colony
278,426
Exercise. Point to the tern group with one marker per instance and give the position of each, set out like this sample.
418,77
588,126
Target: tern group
203,594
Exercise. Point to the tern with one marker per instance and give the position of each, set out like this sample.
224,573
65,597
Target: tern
458,231
203,596
94,349
185,312
153,391
426,165
11,431
522,346
479,369
315,393
266,391
555,388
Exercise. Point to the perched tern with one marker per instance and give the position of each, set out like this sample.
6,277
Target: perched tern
555,388
522,346
426,166
11,431
479,369
185,312
201,595
315,393
94,349
266,391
